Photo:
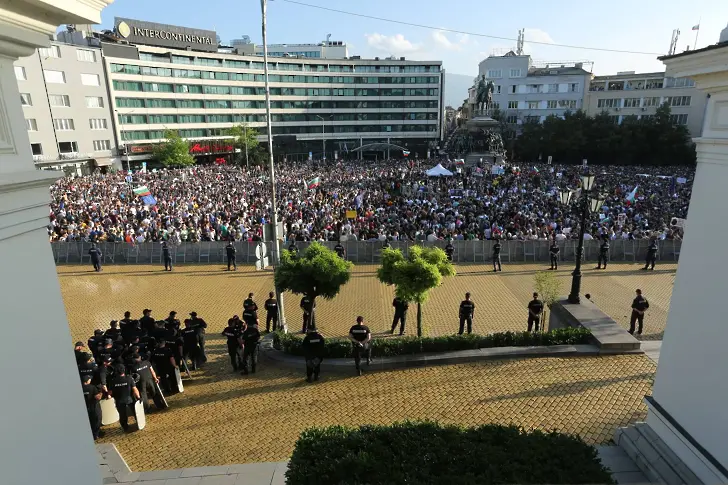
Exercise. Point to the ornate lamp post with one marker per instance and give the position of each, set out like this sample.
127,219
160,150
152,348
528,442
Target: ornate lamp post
587,205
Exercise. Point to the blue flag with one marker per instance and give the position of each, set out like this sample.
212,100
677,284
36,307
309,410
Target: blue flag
149,200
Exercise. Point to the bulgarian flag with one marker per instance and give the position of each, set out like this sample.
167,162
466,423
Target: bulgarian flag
142,191
312,184
633,194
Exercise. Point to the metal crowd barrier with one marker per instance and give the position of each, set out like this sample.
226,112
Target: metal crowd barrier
361,251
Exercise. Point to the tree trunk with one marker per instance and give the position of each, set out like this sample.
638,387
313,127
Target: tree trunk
419,320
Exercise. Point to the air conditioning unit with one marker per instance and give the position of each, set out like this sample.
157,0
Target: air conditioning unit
617,109
643,108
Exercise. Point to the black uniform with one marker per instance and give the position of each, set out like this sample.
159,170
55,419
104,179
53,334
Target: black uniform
250,304
164,368
96,256
400,314
554,254
104,376
201,325
639,305
121,389
496,257
309,319
93,407
129,328
360,333
167,258
88,369
250,317
651,255
250,336
146,384
146,323
113,333
171,324
271,314
230,253
313,351
535,308
603,254
449,250
192,346
467,309
340,250
293,248
233,334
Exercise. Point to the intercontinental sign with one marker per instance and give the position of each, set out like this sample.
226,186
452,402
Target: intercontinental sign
150,33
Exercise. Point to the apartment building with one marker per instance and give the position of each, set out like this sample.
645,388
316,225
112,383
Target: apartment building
630,93
328,49
66,105
525,91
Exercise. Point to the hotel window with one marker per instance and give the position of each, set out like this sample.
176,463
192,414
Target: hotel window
515,73
216,89
127,86
188,88
632,102
63,124
533,104
98,123
160,103
31,124
190,103
25,99
512,119
59,100
67,147
551,104
574,87
90,80
679,119
220,118
183,60
514,89
190,119
609,103
679,82
100,145
20,73
129,102
553,88
54,77
494,74
52,51
217,104
36,148
654,101
567,103
94,102
85,55
679,100
512,104
162,119
132,119
158,87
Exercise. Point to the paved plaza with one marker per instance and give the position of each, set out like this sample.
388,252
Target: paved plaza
223,418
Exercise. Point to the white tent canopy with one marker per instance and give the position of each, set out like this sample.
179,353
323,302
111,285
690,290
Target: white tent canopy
439,171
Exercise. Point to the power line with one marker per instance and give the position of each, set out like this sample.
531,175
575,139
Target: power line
453,31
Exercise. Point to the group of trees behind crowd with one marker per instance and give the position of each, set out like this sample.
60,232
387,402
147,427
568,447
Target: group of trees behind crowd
653,140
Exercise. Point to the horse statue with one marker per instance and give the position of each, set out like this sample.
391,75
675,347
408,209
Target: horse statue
484,96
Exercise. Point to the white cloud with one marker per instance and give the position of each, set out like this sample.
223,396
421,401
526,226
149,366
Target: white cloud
441,40
535,35
391,44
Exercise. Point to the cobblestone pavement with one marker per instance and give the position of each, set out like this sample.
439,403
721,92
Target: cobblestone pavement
224,418
216,295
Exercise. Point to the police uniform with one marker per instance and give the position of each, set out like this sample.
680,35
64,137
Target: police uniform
449,250
496,256
651,255
249,303
121,389
313,351
95,254
250,317
293,248
201,325
340,250
93,407
146,324
191,347
167,257
603,254
271,315
360,333
639,306
400,314
88,369
554,254
308,307
230,253
535,308
171,323
164,368
233,334
250,336
467,309
146,386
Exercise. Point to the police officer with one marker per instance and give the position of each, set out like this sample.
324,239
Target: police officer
309,307
234,342
313,351
361,338
249,303
449,249
147,380
95,342
251,337
400,314
651,254
535,310
125,393
105,374
95,254
146,323
554,255
110,349
271,312
191,344
128,326
639,307
87,367
250,316
167,257
603,252
79,350
496,256
467,310
386,244
230,253
171,322
164,365
293,248
201,325
339,248
113,333
92,395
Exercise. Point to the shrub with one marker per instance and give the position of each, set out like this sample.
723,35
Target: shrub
387,347
430,453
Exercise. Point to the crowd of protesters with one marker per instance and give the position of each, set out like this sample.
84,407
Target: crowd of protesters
393,199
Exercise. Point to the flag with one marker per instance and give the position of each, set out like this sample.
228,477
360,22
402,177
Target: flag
142,191
312,184
631,195
696,27
149,200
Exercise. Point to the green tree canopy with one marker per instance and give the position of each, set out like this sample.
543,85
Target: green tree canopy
316,271
245,137
414,276
174,151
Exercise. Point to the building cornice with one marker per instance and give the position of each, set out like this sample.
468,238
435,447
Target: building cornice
702,66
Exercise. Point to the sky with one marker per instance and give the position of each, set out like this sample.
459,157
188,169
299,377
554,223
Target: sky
638,26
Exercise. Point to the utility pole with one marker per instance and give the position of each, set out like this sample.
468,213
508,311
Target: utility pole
274,204
245,137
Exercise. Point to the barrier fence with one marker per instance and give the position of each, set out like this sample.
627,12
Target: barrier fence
361,251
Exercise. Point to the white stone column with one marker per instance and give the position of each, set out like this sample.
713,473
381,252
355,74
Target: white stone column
689,406
44,430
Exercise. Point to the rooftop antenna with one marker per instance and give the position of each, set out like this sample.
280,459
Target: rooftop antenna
521,39
673,42
328,36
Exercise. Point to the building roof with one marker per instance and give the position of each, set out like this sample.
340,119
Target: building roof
720,45
638,75
558,71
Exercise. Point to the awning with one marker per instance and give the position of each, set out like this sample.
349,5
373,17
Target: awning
103,162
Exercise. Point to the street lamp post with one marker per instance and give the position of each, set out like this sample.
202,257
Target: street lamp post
587,205
323,133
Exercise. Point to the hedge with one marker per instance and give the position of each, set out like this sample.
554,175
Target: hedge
385,347
430,453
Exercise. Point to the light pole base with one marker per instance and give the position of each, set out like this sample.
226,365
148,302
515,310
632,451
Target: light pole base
575,287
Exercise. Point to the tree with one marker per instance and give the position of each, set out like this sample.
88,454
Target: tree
548,287
316,271
173,151
415,275
246,140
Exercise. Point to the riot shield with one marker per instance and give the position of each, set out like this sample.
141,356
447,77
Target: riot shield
141,419
178,378
109,414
